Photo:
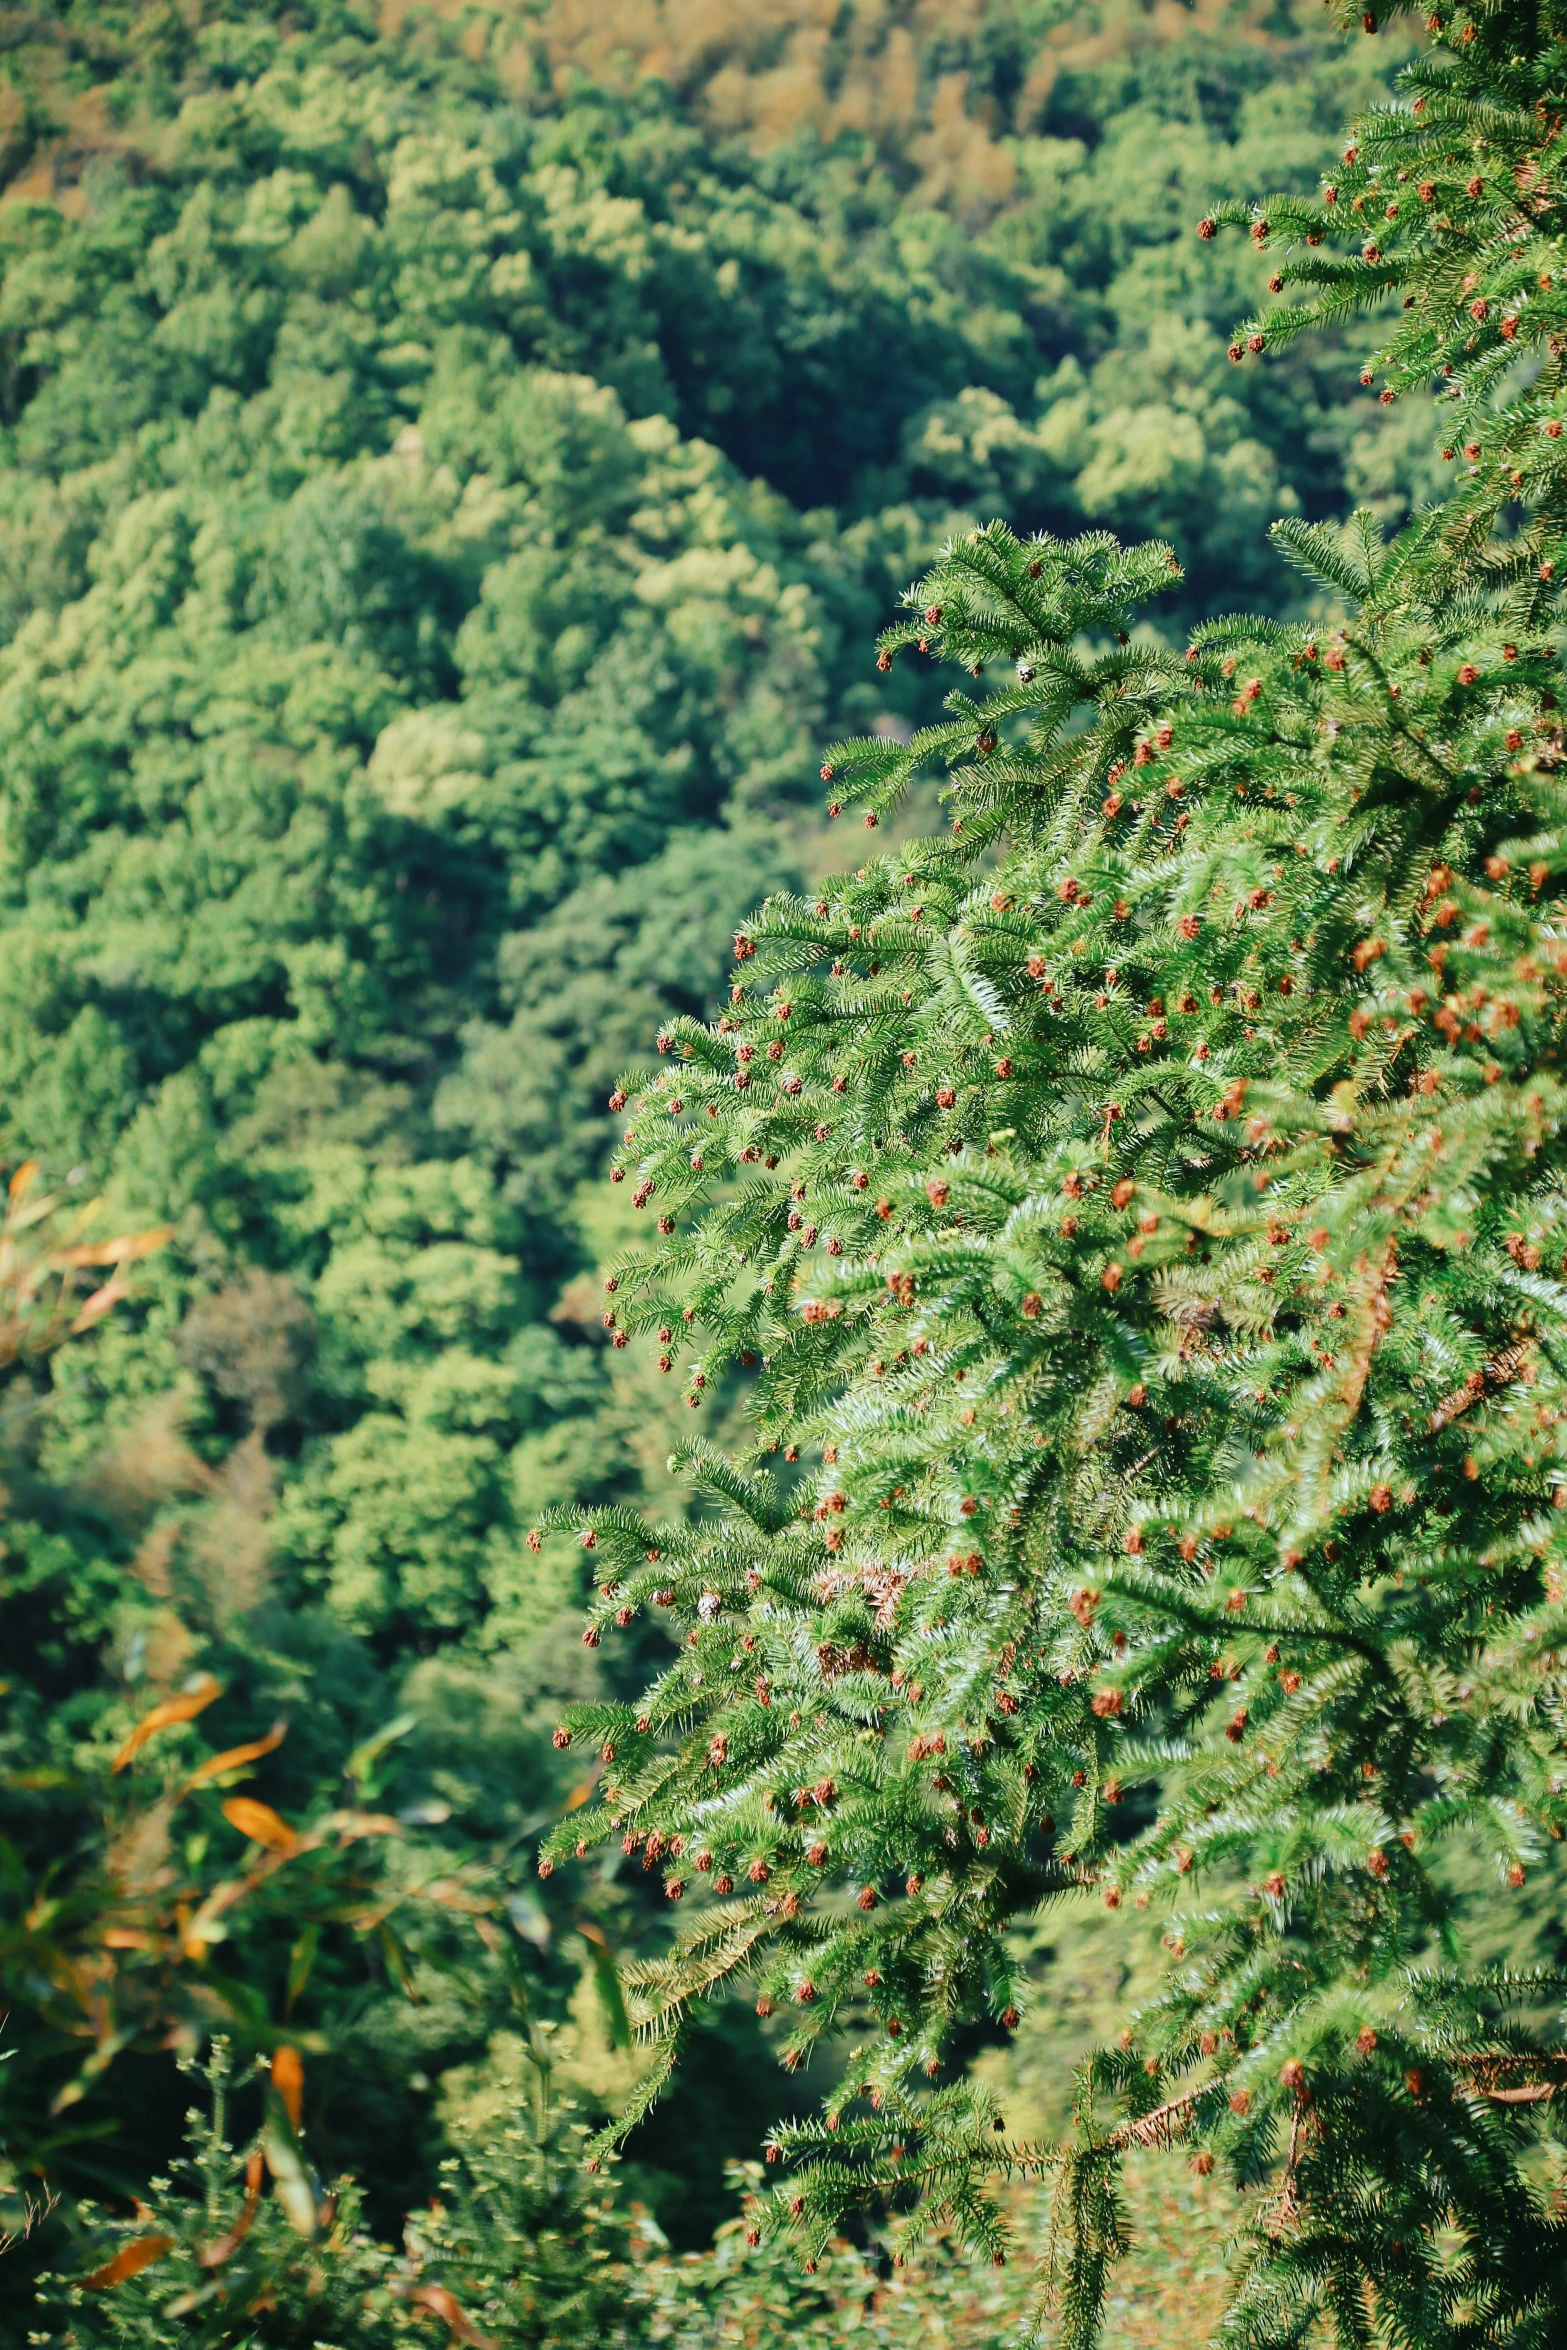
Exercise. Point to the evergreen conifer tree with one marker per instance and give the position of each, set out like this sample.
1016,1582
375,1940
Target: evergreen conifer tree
1143,1210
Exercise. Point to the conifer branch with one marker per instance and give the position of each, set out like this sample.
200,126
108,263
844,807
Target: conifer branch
1140,1218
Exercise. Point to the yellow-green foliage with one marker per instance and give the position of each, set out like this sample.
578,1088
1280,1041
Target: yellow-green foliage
452,464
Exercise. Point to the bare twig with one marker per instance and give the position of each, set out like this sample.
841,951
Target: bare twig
1499,1372
1158,2128
34,2213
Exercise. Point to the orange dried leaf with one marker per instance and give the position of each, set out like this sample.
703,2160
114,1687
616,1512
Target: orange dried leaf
288,2079
124,1249
99,1303
260,1823
349,1824
233,1756
183,1708
23,1177
443,2304
129,2261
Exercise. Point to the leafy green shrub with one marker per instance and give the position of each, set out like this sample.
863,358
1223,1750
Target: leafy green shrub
244,2245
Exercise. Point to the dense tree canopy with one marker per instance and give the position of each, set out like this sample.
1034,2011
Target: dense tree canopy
451,473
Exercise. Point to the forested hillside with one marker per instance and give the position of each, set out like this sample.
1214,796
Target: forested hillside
453,463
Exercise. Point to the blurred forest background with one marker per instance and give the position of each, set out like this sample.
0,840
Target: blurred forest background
452,462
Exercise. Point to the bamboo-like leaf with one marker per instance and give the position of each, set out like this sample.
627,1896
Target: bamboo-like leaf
235,1757
288,2079
260,1823
183,1708
444,2305
128,2262
301,1960
296,2186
